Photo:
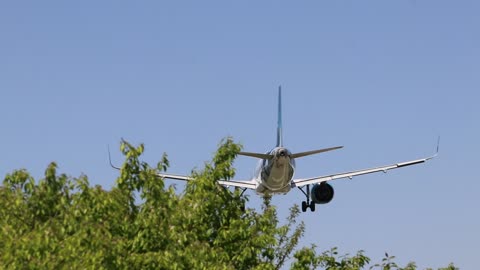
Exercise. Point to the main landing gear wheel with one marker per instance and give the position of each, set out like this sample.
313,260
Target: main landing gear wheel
312,206
304,206
307,204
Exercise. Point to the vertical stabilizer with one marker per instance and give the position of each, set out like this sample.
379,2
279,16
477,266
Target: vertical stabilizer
279,123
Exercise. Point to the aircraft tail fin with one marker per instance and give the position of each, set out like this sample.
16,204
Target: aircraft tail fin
279,121
279,132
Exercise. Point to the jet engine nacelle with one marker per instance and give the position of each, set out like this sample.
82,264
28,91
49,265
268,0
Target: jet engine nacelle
322,193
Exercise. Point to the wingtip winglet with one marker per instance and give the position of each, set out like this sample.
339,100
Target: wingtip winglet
110,159
438,145
437,150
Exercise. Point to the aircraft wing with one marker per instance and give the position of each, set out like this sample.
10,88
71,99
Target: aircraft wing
175,177
350,175
233,183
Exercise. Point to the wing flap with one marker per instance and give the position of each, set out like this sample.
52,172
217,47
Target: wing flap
175,177
233,183
242,184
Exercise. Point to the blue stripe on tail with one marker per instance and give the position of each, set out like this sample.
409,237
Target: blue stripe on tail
279,123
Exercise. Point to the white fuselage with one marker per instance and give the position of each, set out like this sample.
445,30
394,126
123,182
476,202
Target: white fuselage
274,176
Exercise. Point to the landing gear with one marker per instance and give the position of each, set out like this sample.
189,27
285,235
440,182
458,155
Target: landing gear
304,206
242,207
307,204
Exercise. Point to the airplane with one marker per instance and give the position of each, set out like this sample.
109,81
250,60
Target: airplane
275,171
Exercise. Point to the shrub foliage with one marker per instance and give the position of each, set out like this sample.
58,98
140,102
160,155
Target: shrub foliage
61,222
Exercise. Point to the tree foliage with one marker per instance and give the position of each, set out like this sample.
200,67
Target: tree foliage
63,222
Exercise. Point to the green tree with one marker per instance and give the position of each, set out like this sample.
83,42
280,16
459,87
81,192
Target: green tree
63,222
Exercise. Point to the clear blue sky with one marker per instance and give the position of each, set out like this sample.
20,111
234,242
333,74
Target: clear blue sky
382,78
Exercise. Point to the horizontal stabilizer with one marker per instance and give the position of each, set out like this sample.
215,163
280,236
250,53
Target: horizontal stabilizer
308,153
256,155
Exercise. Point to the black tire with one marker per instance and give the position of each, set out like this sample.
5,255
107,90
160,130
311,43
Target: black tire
304,206
312,206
